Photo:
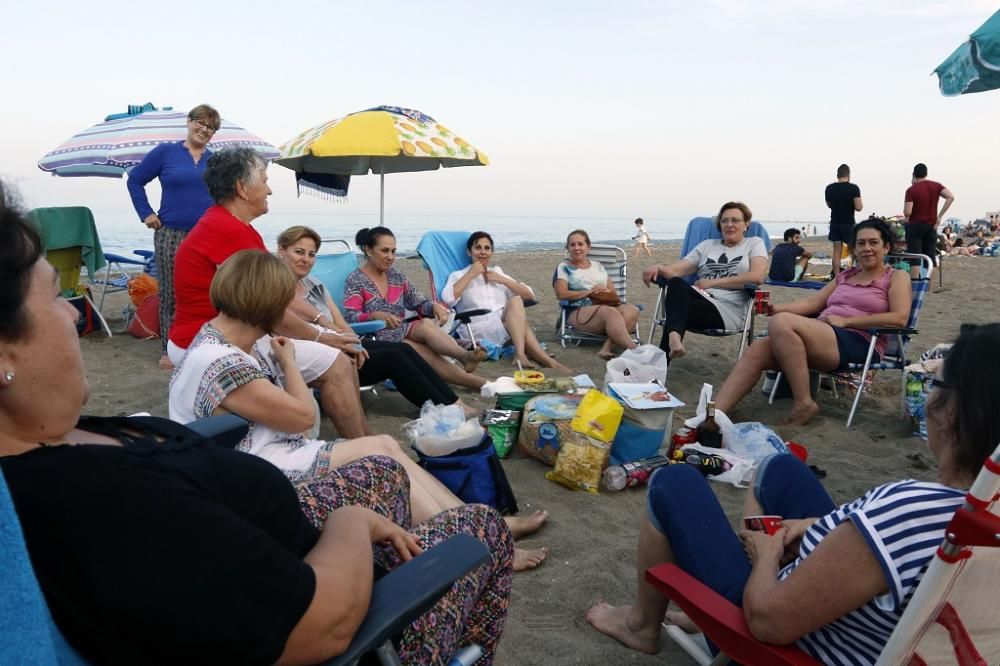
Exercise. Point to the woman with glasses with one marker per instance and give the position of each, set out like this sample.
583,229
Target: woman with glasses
717,300
828,330
833,580
184,198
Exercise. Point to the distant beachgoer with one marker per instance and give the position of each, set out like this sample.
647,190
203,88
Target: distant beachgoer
789,259
578,280
717,300
843,198
184,199
641,238
379,290
921,210
481,286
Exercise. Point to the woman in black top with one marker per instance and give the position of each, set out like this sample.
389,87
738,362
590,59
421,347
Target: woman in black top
151,546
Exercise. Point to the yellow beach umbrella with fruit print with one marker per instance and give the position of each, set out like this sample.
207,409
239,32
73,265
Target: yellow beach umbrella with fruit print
386,139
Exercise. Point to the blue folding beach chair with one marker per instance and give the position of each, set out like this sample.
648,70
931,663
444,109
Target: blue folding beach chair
116,264
443,253
701,229
860,375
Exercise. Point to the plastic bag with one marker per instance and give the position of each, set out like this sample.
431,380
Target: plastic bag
725,424
442,430
580,463
645,363
738,475
752,440
598,416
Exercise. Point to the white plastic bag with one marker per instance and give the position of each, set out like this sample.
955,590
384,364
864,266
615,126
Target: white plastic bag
725,424
442,430
753,440
738,475
645,363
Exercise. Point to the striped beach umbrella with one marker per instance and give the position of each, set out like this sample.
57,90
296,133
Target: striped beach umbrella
386,139
113,147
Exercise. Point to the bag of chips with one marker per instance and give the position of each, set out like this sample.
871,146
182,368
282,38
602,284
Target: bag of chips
580,463
598,416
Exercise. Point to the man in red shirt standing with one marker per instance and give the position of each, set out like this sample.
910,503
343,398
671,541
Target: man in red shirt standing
922,216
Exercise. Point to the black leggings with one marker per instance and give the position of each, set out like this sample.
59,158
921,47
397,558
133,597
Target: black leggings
413,377
686,308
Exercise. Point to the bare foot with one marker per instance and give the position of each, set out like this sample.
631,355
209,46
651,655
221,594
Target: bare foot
525,363
166,363
676,344
606,355
801,414
613,621
520,526
473,359
529,559
560,368
680,620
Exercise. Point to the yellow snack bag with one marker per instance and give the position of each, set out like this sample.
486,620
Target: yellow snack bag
580,462
598,416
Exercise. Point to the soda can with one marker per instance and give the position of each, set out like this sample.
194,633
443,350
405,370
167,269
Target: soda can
768,524
762,301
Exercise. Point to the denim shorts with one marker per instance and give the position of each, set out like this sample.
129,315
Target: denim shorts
853,347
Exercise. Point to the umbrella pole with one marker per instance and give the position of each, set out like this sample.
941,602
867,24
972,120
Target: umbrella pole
381,195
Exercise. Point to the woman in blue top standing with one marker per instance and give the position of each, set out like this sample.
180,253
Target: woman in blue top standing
184,199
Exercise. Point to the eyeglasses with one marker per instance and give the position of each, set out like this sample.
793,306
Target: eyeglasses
732,220
202,125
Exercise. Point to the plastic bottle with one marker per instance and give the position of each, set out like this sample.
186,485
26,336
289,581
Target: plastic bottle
632,474
915,405
709,432
467,656
708,464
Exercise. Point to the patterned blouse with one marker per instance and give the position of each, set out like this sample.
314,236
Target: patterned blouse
213,368
362,298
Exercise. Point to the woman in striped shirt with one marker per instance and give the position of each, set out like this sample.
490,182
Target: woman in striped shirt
833,580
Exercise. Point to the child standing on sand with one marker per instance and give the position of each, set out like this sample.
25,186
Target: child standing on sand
641,238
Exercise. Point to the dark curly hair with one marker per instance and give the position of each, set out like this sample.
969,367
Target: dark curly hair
20,249
878,224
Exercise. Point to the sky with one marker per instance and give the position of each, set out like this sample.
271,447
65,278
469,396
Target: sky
660,109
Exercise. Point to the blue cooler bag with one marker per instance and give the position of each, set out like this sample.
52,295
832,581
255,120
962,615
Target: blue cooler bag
474,475
634,442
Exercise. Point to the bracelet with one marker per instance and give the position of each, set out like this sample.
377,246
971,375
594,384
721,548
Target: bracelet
320,332
319,315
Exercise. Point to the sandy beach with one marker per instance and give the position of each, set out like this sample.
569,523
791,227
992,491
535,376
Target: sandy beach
592,537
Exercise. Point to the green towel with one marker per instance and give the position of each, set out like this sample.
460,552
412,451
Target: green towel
70,226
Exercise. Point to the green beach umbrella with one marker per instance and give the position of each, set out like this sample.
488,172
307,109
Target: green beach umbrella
975,65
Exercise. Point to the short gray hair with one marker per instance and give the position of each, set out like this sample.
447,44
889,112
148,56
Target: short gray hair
230,166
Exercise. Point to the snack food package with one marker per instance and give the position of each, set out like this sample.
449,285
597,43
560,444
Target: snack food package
580,463
598,416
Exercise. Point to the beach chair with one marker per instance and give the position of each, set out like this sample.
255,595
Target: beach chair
28,634
859,375
443,253
615,262
952,618
116,263
71,244
701,229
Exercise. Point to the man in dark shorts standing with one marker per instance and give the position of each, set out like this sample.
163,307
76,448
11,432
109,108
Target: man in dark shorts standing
844,199
922,216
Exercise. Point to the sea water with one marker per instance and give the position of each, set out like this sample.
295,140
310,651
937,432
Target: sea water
122,233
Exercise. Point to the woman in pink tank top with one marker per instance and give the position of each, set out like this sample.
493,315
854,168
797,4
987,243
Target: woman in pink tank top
827,330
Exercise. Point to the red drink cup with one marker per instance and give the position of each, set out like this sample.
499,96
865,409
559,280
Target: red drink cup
769,524
762,300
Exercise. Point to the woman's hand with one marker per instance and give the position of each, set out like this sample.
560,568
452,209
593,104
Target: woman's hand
441,314
598,289
385,532
704,283
650,274
835,321
794,529
762,548
284,351
153,221
391,320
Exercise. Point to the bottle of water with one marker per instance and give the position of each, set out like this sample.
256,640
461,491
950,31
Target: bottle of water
467,656
632,474
915,405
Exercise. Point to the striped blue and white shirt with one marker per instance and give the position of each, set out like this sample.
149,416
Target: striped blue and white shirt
903,523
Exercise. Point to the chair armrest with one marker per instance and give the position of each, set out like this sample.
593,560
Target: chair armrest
409,591
145,254
721,621
879,330
466,315
366,327
226,430
119,259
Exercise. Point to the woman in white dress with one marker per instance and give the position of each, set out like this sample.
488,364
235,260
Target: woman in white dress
481,286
